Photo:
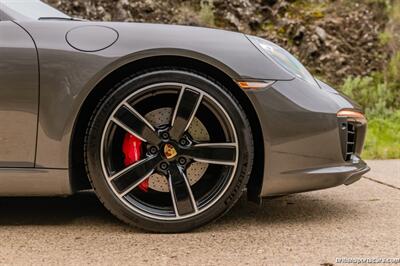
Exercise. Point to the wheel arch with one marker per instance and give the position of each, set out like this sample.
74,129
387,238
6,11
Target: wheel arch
79,179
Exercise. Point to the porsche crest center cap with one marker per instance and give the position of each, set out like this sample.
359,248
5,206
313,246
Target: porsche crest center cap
169,151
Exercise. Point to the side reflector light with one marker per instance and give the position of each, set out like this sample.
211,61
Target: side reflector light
357,116
254,85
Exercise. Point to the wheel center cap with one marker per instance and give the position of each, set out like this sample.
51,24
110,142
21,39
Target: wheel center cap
169,151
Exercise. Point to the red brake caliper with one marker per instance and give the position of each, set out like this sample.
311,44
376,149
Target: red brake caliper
132,149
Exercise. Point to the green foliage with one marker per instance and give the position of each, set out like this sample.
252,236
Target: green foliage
387,3
395,11
394,69
373,95
307,9
379,93
385,37
206,15
383,137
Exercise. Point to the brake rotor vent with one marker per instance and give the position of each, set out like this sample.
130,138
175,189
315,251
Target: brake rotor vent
197,130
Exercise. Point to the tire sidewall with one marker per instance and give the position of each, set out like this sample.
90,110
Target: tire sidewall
119,93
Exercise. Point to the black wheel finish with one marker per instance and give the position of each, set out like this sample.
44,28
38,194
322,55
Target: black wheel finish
203,175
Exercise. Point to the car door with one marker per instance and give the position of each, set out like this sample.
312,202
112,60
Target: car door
19,89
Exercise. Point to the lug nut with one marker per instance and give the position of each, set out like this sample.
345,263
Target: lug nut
183,142
182,161
153,150
165,135
164,166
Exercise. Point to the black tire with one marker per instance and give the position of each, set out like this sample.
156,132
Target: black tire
93,143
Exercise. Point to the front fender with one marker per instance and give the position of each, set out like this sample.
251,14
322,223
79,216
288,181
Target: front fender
68,75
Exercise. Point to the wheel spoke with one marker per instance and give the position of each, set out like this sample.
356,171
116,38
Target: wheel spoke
181,193
132,176
213,153
185,110
168,148
130,120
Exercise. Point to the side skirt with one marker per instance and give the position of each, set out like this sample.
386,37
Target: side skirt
28,182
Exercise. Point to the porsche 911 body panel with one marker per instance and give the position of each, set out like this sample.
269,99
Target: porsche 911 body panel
19,90
301,138
299,124
68,75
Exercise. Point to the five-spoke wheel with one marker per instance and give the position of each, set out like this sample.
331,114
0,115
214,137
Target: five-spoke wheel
172,151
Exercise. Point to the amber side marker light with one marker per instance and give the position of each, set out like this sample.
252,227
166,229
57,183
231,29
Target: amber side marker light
357,116
254,85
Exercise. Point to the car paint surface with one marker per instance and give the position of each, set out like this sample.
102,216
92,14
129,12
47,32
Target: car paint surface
19,91
61,68
299,123
301,138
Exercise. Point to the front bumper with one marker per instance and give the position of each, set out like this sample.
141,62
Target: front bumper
303,142
315,178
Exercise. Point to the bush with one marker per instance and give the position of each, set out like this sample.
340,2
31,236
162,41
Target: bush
206,14
379,93
373,94
383,138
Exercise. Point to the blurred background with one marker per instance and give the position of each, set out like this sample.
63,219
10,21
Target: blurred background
353,45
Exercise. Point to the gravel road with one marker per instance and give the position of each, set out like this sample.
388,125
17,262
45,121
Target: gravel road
361,220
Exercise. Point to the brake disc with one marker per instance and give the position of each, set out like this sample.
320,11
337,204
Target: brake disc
198,132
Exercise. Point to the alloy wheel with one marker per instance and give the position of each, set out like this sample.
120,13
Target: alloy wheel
188,151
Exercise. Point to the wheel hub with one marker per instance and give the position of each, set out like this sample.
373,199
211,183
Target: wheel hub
170,151
194,164
156,181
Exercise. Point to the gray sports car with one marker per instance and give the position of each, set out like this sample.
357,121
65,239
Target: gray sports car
168,124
